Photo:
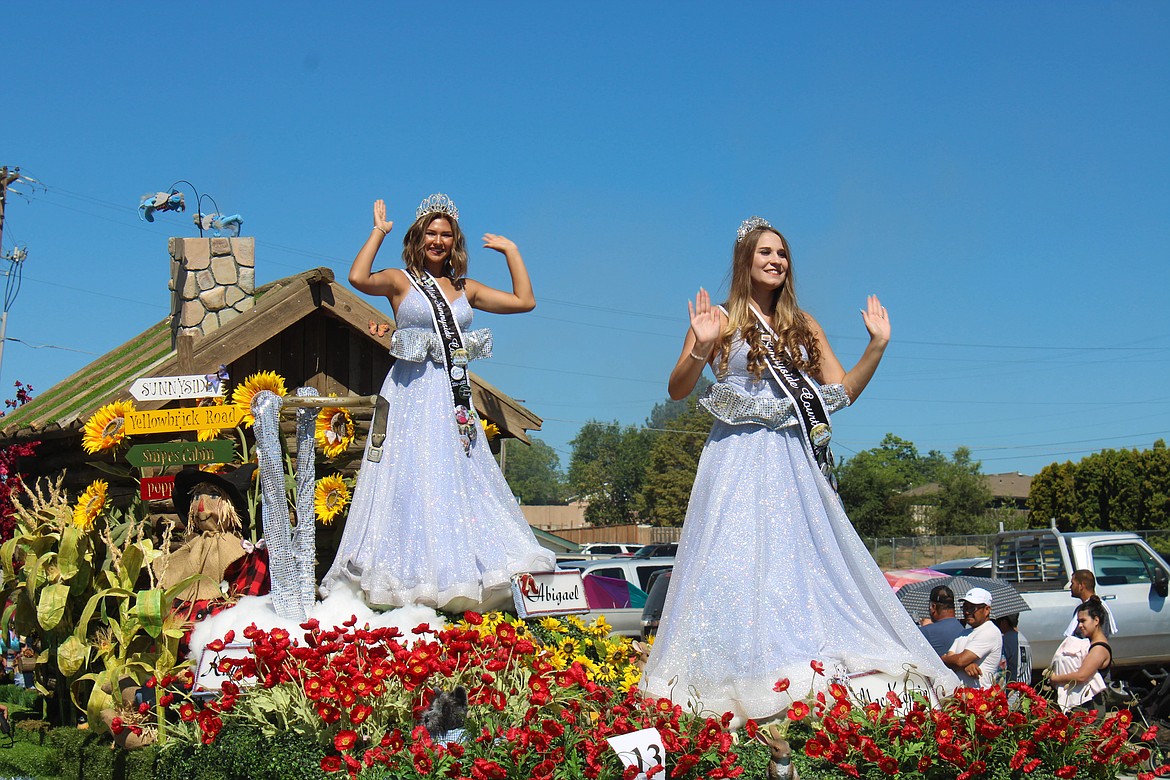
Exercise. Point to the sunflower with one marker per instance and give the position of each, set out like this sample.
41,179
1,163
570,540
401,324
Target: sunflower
330,498
107,428
490,429
334,431
91,504
209,434
244,393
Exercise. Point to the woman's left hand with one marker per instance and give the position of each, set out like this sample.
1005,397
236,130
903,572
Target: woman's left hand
877,320
498,243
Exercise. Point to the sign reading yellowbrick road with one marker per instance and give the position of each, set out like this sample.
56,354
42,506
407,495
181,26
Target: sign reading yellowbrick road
168,420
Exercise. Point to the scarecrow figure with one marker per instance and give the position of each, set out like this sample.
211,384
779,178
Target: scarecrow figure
216,512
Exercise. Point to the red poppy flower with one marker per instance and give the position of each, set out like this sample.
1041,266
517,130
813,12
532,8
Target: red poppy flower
474,618
924,763
1066,772
483,769
817,667
951,752
889,765
798,711
752,728
331,764
781,685
345,739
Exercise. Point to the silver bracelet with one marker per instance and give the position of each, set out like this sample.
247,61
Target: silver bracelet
384,232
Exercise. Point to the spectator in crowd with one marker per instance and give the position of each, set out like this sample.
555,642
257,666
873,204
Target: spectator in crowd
1081,680
943,627
1083,586
1016,665
975,656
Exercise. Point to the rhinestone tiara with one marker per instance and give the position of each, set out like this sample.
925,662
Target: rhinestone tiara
747,226
437,204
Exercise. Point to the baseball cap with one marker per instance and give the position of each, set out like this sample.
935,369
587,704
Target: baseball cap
978,596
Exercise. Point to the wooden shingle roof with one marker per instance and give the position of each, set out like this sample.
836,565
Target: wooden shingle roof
63,409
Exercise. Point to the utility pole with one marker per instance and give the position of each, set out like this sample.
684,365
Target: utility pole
8,177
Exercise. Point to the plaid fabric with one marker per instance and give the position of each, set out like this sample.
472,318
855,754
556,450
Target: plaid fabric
249,575
246,577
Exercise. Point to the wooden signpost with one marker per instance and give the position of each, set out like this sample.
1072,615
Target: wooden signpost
172,388
182,453
191,419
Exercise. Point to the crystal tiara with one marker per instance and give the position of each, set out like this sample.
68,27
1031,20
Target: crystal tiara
437,204
747,226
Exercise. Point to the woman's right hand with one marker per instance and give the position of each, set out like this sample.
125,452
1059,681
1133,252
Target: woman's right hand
705,322
380,221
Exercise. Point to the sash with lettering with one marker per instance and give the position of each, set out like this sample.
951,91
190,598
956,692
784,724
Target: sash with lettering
455,357
806,401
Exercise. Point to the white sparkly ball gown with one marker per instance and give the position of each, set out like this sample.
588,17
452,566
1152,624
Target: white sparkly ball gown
770,574
428,524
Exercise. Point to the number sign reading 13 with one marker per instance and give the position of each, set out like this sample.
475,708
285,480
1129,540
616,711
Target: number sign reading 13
642,749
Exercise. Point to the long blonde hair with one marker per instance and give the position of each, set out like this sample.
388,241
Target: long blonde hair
788,321
414,249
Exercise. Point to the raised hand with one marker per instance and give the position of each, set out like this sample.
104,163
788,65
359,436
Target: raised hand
877,320
705,322
498,243
380,221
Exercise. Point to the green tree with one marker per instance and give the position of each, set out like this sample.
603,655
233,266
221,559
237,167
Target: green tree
670,471
1052,495
871,484
606,470
963,497
534,472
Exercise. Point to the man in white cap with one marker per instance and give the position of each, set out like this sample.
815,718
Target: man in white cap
975,656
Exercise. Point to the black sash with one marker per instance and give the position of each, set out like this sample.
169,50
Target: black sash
810,409
455,357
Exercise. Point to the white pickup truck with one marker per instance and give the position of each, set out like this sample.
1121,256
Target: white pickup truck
1132,580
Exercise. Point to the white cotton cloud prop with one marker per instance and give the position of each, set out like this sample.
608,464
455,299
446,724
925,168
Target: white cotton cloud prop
342,604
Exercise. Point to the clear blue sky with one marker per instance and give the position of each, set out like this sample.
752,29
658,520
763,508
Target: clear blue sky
999,173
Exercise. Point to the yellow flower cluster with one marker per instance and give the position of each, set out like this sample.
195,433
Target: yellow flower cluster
608,659
106,429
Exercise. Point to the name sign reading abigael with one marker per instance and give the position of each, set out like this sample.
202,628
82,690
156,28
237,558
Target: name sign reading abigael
170,420
172,388
549,593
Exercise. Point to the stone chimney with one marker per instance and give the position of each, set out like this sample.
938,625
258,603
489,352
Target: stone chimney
212,281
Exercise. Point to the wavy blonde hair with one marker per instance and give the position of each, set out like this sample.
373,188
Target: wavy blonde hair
788,321
414,249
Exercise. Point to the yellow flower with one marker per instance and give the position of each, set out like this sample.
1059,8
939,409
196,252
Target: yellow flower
244,393
331,498
599,627
606,673
107,428
91,504
334,431
208,434
490,429
552,624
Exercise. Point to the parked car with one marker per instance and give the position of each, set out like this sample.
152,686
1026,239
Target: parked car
608,549
625,621
658,551
970,567
1132,580
655,601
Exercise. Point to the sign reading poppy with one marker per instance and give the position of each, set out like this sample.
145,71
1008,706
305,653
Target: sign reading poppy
156,488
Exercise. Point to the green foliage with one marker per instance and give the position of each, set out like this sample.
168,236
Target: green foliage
242,752
963,497
674,459
607,469
85,755
24,698
872,481
534,472
1111,490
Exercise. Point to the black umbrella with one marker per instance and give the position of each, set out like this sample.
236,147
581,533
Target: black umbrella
1005,600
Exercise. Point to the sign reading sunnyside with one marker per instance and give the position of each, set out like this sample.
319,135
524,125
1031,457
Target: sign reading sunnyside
172,388
193,419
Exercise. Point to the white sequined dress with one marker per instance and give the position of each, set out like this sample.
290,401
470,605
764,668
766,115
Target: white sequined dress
770,574
430,525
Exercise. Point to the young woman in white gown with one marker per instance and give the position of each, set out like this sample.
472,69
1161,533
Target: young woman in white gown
433,522
770,575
